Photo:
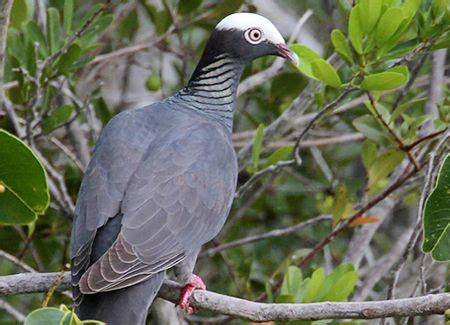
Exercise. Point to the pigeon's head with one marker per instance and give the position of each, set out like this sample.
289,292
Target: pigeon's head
248,36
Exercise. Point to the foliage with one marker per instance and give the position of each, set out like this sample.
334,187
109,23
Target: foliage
23,180
55,60
436,216
61,315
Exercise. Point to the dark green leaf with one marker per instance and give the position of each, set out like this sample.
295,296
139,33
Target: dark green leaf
129,26
35,35
58,117
53,30
66,62
187,6
326,73
94,31
102,111
436,216
257,147
225,8
354,29
340,45
21,13
287,84
21,175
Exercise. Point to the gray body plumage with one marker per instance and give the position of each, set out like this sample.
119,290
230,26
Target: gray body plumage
160,184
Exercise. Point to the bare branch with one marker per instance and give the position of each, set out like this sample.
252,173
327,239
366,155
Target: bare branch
266,235
425,305
17,315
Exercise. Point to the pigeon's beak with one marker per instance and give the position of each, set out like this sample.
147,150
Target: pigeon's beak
285,52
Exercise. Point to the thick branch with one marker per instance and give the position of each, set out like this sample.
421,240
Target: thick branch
425,305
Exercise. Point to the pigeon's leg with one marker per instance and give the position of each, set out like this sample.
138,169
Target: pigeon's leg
195,283
183,272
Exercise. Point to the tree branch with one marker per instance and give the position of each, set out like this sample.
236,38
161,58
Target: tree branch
425,305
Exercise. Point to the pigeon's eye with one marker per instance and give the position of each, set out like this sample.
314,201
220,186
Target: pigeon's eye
254,36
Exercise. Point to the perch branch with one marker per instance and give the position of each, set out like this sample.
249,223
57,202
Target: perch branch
425,305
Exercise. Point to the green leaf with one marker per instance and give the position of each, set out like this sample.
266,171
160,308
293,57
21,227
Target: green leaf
292,280
326,73
354,29
68,15
368,153
48,315
330,281
187,6
368,126
288,84
388,24
66,62
438,8
60,116
257,147
402,108
53,31
127,29
342,207
340,46
384,81
370,11
306,56
280,154
384,165
22,176
21,12
225,8
436,216
35,35
343,287
93,32
317,280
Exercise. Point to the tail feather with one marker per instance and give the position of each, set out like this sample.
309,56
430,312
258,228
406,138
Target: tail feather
121,307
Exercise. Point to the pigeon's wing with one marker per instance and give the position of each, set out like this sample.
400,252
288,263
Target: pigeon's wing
177,200
115,158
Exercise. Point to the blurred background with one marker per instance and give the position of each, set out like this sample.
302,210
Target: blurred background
143,51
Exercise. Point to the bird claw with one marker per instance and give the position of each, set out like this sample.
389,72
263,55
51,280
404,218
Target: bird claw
194,283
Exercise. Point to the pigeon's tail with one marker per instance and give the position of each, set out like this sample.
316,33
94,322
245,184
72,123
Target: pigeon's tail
121,307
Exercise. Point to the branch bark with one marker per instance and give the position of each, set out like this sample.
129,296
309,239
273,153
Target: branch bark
425,305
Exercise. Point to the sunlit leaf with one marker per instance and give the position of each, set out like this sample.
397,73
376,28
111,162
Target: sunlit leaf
370,11
388,24
326,73
354,29
340,45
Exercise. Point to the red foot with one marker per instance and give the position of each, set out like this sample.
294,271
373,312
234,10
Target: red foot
194,283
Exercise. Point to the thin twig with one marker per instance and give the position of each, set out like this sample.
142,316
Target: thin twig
266,235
